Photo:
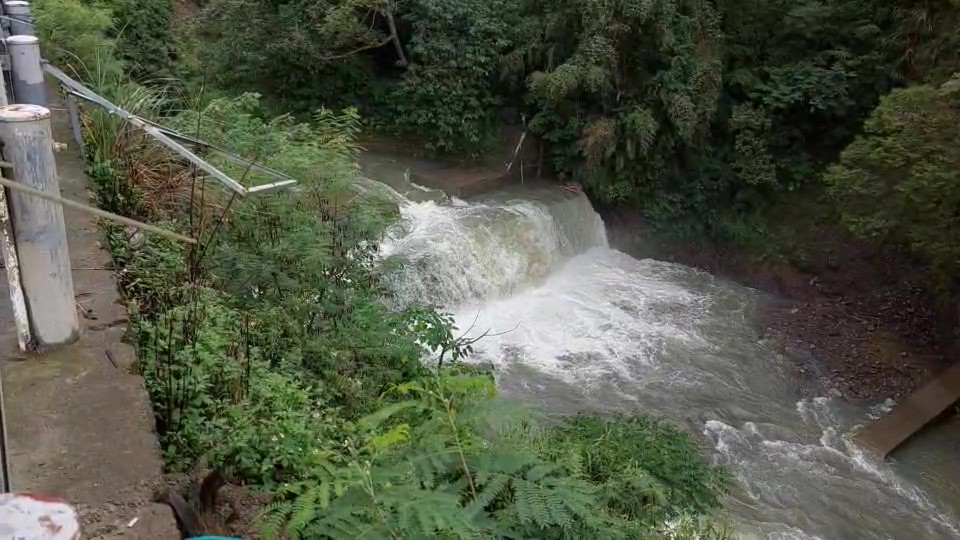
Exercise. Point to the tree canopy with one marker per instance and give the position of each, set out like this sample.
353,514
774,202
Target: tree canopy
900,180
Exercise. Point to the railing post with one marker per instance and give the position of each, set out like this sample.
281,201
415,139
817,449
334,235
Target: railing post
11,263
26,73
41,237
74,113
3,89
21,23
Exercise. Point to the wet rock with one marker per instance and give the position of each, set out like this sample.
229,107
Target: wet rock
135,237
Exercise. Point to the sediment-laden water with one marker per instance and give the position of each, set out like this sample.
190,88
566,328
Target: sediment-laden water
580,326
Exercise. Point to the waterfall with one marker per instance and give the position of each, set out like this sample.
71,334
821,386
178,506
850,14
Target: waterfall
444,254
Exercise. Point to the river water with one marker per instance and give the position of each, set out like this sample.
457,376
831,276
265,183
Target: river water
580,326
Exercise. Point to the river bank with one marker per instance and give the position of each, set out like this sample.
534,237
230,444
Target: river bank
857,319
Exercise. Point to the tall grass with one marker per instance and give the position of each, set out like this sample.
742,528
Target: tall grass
134,173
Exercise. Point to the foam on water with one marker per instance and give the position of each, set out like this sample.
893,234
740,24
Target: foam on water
573,324
803,489
456,252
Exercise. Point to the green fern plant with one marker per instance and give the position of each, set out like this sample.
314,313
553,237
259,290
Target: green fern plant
466,466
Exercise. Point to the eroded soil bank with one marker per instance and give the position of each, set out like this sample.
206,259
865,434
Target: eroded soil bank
858,319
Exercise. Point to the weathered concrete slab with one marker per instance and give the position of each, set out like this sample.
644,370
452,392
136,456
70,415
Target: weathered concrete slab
79,427
911,415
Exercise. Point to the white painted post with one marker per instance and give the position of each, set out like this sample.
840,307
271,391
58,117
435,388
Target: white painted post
41,236
3,89
26,73
21,23
10,261
21,318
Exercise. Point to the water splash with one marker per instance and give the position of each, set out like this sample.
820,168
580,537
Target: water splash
457,252
802,488
580,326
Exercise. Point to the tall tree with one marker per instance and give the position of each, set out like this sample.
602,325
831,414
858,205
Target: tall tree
617,86
900,180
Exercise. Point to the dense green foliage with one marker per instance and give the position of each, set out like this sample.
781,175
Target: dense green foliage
444,97
144,34
699,113
449,459
900,180
73,35
436,88
621,87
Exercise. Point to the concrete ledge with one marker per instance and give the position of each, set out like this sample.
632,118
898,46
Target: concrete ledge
80,424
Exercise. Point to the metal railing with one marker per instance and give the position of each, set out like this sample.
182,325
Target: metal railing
171,139
31,187
34,188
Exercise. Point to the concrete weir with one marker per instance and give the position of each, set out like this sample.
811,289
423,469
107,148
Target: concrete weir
911,415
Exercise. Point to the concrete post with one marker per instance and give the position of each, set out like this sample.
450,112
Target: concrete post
22,22
41,237
75,125
26,73
3,89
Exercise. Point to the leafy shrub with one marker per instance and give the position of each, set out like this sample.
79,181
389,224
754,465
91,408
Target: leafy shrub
451,462
113,191
73,35
899,180
614,448
143,30
217,400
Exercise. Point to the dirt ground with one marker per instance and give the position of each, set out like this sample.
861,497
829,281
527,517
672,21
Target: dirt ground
237,507
857,319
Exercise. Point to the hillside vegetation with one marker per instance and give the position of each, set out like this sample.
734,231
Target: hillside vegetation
267,349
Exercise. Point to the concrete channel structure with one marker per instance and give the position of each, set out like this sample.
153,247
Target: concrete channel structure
913,414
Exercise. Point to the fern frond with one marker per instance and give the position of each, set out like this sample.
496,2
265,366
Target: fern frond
273,519
490,489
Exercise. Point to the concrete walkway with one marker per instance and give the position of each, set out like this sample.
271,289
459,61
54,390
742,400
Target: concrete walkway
79,426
